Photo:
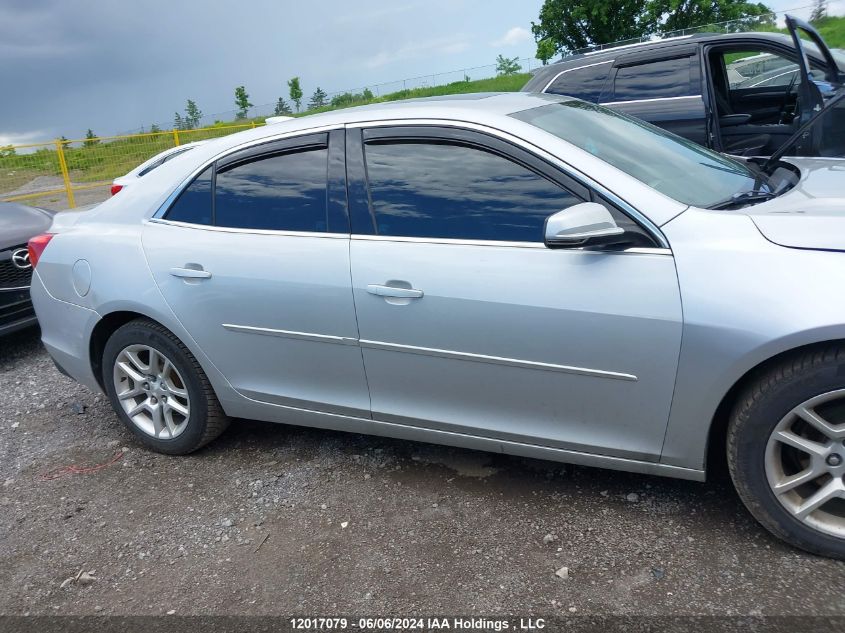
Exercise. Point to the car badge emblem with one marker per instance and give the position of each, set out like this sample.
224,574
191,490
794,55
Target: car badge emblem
20,258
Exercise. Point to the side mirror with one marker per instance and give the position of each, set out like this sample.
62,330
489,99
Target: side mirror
585,224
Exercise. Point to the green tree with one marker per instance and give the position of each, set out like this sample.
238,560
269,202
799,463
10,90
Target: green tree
282,108
507,66
90,138
242,102
318,99
676,15
546,49
154,128
295,91
367,95
192,115
7,150
819,11
178,121
573,24
567,25
343,99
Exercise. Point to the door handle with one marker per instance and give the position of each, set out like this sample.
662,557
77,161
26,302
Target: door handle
190,273
393,291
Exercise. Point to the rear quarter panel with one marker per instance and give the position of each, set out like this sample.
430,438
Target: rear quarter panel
120,280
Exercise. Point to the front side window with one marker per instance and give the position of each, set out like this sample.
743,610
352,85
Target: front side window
584,83
660,79
445,190
285,192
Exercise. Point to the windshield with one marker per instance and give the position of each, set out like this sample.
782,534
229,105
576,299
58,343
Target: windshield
670,164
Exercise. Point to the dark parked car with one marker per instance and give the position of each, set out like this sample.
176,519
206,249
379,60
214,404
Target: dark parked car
740,93
18,224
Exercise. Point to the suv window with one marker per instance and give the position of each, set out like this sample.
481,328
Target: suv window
283,192
194,203
584,83
664,78
445,190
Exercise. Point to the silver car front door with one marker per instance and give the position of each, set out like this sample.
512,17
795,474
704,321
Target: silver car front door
469,324
253,258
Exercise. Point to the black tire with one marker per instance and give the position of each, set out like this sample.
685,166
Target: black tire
772,395
207,419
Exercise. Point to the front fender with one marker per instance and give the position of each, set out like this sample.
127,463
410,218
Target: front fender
745,301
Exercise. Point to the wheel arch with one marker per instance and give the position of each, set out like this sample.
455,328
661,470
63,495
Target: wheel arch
715,458
104,328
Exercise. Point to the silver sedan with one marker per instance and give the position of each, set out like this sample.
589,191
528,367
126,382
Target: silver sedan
516,273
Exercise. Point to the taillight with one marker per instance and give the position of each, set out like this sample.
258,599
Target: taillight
36,246
115,188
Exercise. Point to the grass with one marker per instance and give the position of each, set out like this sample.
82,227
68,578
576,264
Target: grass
506,83
832,30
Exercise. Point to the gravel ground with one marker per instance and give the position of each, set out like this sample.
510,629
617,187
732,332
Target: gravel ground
272,519
58,201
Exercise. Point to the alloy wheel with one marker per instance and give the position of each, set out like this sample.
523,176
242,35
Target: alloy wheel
805,462
151,391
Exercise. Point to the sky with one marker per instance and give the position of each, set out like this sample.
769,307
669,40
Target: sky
117,66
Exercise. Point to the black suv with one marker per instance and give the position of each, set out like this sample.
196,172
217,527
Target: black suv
741,93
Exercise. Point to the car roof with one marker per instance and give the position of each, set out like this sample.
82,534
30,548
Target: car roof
669,45
672,42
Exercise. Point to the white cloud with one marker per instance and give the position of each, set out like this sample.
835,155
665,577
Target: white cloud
417,50
514,36
23,138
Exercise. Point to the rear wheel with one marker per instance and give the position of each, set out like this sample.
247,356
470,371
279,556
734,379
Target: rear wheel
159,390
786,451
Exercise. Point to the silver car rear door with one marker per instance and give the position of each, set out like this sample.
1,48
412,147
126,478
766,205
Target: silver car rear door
269,298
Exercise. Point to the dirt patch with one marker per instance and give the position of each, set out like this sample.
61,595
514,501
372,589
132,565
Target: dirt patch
272,519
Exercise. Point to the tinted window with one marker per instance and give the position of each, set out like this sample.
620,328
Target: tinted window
584,83
459,192
666,78
285,192
194,203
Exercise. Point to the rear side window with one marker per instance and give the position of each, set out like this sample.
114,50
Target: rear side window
285,192
664,78
194,203
443,190
584,83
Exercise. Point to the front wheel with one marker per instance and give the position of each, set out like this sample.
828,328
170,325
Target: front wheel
786,450
159,390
